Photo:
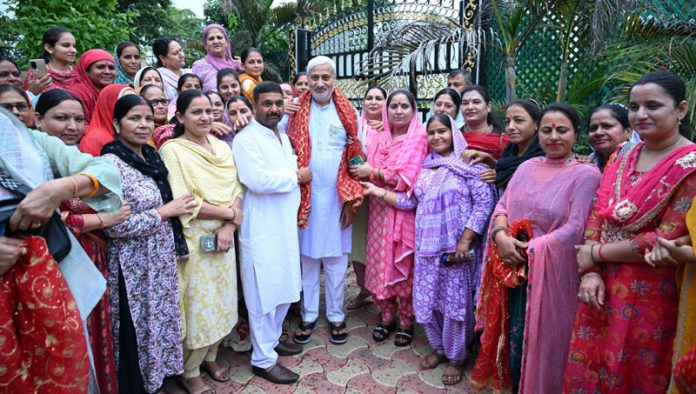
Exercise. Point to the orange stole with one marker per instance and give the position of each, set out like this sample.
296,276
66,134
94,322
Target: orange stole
42,343
492,365
349,190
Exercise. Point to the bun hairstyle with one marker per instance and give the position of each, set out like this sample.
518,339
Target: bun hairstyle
123,45
384,92
301,73
182,81
51,37
160,47
530,107
245,53
442,118
224,73
566,110
675,88
454,95
183,102
52,98
126,103
487,99
235,99
618,112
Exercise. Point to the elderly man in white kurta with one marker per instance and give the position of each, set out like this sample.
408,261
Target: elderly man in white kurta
323,123
270,266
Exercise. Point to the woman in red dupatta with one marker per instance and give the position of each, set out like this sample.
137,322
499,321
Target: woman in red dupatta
101,131
394,159
480,130
624,332
59,53
95,70
524,342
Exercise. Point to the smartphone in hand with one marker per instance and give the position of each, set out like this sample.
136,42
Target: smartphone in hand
38,67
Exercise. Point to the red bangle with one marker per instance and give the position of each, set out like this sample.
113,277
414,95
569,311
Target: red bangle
101,222
599,252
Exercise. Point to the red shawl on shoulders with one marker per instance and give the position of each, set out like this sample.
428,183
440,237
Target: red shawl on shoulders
349,190
43,348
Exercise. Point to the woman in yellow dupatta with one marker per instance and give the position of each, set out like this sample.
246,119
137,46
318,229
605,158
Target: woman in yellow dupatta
680,252
203,166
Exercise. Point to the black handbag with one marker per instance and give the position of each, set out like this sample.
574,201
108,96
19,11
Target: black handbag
54,231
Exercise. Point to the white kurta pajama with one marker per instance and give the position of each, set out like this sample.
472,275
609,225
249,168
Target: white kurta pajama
269,247
325,242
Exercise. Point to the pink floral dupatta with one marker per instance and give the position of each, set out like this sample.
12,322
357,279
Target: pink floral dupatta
633,206
400,159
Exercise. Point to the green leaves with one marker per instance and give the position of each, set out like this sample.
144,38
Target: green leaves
93,23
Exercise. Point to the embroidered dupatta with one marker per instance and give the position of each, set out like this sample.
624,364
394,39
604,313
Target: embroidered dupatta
633,206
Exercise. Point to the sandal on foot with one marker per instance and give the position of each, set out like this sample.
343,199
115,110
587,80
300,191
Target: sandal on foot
432,360
382,331
403,337
219,374
338,333
358,302
300,337
450,379
196,386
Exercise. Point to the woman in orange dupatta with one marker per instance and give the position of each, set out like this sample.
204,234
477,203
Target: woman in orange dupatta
101,131
624,332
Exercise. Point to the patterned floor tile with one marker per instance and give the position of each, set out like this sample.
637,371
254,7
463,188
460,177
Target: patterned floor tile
369,359
307,367
241,374
354,342
433,377
314,343
414,384
396,370
326,360
303,390
423,350
408,356
385,349
319,384
229,387
368,385
353,368
250,389
270,387
353,322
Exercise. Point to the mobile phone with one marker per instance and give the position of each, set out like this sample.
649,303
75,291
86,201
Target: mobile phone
208,243
357,161
38,67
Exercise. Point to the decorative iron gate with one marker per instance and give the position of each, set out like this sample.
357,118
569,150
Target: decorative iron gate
351,33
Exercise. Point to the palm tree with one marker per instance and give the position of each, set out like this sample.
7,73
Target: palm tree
515,21
647,43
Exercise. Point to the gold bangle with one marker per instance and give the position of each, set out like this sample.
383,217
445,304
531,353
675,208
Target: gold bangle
95,184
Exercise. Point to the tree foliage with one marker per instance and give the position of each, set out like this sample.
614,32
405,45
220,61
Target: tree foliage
90,21
150,19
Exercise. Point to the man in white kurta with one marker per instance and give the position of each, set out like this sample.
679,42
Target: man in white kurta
327,239
269,253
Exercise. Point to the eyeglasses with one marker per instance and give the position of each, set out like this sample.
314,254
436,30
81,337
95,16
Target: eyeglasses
154,103
21,106
5,74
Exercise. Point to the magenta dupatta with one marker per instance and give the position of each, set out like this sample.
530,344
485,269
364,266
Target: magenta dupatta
400,159
556,195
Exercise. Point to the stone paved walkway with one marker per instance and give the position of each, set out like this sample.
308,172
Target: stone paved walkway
359,366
